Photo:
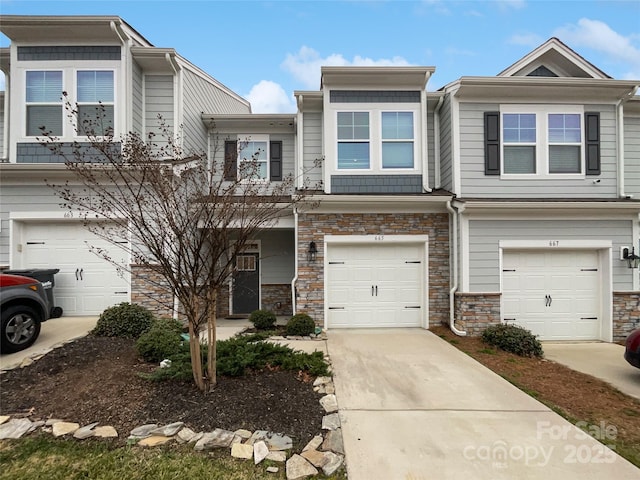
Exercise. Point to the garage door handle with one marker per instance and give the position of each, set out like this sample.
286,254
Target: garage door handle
120,293
412,306
376,290
81,270
372,290
336,308
77,270
588,318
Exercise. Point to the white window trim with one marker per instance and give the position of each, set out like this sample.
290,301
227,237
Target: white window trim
542,141
69,85
254,138
375,137
78,104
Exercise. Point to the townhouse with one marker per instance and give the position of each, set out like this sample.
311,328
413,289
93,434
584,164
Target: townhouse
511,198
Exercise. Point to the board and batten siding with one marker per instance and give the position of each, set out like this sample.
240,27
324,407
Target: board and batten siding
632,156
158,92
312,146
2,139
277,256
475,184
136,99
446,178
485,235
201,96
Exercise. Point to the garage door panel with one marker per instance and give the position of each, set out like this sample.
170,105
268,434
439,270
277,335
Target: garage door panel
398,283
550,292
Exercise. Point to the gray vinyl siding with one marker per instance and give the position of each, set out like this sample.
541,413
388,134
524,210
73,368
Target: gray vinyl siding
2,126
69,52
430,150
288,152
446,169
277,256
159,101
137,99
632,156
28,197
474,183
484,235
312,146
376,183
201,97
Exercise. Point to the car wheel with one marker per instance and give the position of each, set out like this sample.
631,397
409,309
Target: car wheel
20,328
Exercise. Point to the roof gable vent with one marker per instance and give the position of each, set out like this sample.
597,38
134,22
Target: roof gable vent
542,71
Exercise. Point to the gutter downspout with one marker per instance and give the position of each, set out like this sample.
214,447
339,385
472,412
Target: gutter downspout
620,142
295,276
454,255
424,147
436,143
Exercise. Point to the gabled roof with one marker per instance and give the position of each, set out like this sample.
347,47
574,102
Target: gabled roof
555,56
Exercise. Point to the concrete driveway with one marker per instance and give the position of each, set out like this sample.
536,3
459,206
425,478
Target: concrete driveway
601,360
54,332
414,407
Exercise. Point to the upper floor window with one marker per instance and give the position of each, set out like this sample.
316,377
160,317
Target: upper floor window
95,97
536,141
397,139
353,140
44,102
375,140
253,159
91,92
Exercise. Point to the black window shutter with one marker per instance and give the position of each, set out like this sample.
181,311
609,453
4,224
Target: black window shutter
275,167
592,142
230,160
492,143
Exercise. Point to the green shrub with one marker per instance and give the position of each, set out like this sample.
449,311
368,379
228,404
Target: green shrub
161,341
514,339
238,355
300,324
263,319
124,320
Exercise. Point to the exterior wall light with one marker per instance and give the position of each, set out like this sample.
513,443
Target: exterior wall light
312,253
630,256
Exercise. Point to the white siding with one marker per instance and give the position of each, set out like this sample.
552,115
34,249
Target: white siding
201,97
484,235
312,146
277,256
476,184
632,156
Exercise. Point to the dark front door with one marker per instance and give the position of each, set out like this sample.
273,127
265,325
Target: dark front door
246,284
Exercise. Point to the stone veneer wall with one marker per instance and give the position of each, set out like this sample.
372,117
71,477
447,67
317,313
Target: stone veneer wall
149,289
476,311
314,226
277,298
626,314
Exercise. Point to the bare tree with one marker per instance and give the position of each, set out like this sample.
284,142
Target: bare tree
187,217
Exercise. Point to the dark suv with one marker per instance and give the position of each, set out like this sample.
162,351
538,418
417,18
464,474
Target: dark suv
24,306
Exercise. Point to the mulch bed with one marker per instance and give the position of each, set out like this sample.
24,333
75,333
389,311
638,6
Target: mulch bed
96,379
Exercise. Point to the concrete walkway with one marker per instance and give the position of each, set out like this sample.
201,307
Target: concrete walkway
601,360
54,332
414,407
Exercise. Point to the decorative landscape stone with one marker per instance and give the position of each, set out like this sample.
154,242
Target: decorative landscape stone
85,432
333,441
244,434
4,419
64,428
298,468
277,441
277,456
241,450
314,443
329,403
106,431
185,435
14,428
167,430
316,458
273,469
260,451
154,441
331,422
334,463
219,438
143,431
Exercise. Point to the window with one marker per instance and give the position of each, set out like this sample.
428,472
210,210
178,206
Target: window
353,140
542,140
95,102
246,263
565,143
43,102
253,157
519,136
397,139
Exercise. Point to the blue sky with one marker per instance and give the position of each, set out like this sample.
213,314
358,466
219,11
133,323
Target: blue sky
264,50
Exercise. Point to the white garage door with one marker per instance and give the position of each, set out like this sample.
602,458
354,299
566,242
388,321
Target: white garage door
556,295
375,285
86,283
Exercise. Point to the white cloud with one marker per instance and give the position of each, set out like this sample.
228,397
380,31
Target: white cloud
526,39
269,97
598,36
305,64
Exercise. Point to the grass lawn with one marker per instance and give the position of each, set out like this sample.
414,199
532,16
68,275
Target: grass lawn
581,399
44,457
